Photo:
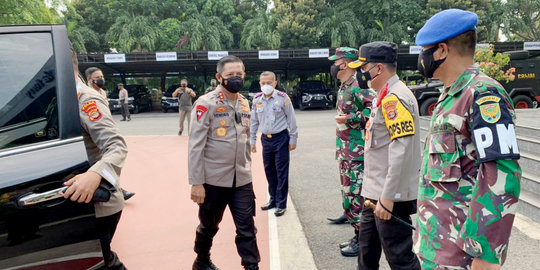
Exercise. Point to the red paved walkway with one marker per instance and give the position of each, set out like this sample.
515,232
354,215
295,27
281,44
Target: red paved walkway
158,224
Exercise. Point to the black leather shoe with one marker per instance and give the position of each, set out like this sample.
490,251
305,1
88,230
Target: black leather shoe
123,119
127,194
340,220
204,265
180,133
351,250
251,267
279,212
268,206
346,244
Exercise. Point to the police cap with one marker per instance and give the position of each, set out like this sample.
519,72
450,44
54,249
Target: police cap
378,52
445,25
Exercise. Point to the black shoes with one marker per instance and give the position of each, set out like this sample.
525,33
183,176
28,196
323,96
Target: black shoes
180,133
129,119
201,264
350,248
340,220
127,194
268,206
123,119
251,267
279,212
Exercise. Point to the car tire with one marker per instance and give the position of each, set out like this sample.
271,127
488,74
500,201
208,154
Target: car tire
427,106
300,107
522,102
164,110
136,109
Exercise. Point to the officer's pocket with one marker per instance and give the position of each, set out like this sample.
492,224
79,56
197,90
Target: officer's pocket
443,160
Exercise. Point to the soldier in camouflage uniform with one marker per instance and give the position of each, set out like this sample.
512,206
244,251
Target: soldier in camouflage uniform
353,108
470,175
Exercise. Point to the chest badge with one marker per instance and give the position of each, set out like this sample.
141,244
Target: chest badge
221,132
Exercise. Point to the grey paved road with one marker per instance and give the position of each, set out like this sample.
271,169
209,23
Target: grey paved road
314,188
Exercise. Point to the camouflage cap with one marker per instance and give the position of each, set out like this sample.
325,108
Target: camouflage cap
346,52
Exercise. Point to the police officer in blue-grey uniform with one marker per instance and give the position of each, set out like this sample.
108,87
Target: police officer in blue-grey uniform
273,115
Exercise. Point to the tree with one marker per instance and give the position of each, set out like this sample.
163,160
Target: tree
170,29
522,20
132,33
297,22
82,38
260,33
27,12
340,27
489,14
205,33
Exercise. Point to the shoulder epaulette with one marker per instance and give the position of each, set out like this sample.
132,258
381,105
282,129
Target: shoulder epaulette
281,94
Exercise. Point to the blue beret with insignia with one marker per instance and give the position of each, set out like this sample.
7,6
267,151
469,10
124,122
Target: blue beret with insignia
445,25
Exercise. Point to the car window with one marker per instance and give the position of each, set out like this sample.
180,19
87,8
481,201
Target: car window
28,107
312,86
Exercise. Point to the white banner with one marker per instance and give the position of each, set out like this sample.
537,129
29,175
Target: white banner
115,58
271,54
216,55
166,56
415,49
534,45
319,53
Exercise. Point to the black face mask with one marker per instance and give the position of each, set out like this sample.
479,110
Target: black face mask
99,82
184,85
363,78
334,71
426,64
233,84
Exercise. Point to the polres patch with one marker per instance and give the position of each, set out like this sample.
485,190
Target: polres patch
92,110
493,128
399,121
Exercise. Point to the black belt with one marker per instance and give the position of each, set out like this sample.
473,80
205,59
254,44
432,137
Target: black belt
269,136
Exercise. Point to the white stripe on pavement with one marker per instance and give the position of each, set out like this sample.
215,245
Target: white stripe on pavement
527,226
275,263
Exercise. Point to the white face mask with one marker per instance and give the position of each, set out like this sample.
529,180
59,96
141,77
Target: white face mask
267,89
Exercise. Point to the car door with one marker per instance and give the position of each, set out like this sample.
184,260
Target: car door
41,147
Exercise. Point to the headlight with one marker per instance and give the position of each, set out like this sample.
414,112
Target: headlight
330,97
306,98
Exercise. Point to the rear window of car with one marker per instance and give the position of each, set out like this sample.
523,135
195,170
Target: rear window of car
28,105
312,86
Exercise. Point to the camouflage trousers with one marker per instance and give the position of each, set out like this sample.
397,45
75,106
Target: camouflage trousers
429,265
351,174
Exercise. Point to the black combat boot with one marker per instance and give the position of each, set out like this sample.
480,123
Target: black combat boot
204,263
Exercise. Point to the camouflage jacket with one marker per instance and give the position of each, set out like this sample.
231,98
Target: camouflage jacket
470,175
356,104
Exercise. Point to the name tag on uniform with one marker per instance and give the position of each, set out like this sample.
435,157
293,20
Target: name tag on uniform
493,128
399,121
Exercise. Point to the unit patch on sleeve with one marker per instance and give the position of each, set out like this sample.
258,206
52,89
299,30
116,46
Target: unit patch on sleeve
201,110
398,119
91,109
493,128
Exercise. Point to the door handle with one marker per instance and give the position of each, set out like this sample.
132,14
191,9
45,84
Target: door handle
37,198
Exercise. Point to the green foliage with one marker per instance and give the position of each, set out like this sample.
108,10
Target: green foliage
489,14
260,33
297,23
170,29
27,12
200,32
522,20
492,64
340,27
132,33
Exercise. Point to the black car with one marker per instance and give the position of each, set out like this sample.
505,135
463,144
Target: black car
41,146
313,94
139,99
168,102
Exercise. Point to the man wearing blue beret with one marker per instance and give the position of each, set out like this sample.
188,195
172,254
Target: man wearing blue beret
470,174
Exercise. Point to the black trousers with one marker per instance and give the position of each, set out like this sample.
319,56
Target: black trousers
241,202
276,158
388,235
106,227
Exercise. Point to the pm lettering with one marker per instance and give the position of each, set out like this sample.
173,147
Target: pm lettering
401,127
504,137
